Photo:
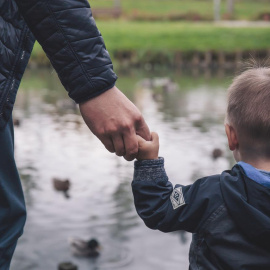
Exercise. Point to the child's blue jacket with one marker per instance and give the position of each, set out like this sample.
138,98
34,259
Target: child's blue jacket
228,214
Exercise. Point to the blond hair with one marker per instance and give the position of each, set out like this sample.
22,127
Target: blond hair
248,108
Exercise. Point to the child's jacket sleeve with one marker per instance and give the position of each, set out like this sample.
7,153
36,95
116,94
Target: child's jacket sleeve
168,208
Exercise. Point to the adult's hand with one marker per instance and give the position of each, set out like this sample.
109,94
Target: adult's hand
115,120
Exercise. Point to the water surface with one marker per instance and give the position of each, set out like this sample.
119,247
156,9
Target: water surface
52,141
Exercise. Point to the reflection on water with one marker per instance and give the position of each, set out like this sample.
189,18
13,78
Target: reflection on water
52,141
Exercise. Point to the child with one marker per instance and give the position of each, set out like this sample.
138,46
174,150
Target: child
228,214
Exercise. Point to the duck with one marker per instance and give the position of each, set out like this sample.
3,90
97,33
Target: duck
157,97
61,185
16,122
88,248
217,153
67,266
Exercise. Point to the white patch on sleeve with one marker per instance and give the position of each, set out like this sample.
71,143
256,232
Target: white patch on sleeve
177,198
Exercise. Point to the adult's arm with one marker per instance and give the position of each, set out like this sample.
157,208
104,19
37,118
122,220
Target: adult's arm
68,34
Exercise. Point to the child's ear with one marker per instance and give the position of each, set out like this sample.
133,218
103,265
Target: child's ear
232,137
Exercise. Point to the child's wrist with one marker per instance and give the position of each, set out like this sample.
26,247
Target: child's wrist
147,158
149,162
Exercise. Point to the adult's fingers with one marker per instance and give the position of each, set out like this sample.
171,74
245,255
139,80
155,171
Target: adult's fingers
131,145
142,129
119,145
108,143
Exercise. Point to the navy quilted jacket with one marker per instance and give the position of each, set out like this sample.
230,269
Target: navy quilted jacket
68,34
228,214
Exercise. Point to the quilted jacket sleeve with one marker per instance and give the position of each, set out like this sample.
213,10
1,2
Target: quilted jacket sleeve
68,34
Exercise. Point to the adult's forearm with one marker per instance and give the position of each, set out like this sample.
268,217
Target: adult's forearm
68,34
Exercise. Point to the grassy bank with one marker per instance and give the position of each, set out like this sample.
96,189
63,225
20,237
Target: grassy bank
244,9
123,35
167,37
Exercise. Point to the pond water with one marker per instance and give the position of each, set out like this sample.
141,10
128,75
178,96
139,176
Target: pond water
187,110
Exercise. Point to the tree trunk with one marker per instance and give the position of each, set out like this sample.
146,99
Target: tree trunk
230,7
117,3
217,10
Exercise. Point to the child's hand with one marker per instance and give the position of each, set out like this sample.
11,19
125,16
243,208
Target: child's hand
148,149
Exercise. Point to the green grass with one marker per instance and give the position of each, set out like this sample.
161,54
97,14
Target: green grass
175,36
244,9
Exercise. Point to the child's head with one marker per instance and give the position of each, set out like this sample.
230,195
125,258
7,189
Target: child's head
248,115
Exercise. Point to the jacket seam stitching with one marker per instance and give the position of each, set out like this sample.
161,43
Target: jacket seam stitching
211,218
12,73
196,251
6,46
7,21
68,43
99,66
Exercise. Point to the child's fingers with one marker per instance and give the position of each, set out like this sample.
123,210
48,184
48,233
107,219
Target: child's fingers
140,139
155,137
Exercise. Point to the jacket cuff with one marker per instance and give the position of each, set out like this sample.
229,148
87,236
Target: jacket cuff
83,88
85,98
150,170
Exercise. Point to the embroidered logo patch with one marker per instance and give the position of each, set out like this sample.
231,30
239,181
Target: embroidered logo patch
177,198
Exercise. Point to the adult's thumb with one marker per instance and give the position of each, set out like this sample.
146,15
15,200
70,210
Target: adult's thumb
142,129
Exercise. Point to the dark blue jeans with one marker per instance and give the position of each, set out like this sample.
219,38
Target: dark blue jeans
12,206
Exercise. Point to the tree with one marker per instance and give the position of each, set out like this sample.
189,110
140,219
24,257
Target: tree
230,7
217,10
117,3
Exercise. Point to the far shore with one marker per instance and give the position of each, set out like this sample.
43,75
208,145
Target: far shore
174,43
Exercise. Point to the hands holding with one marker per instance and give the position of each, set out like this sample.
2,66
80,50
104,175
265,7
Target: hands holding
148,149
116,121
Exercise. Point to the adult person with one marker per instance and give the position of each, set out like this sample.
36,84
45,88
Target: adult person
68,34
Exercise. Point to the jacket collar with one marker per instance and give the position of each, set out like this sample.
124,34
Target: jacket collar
261,177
